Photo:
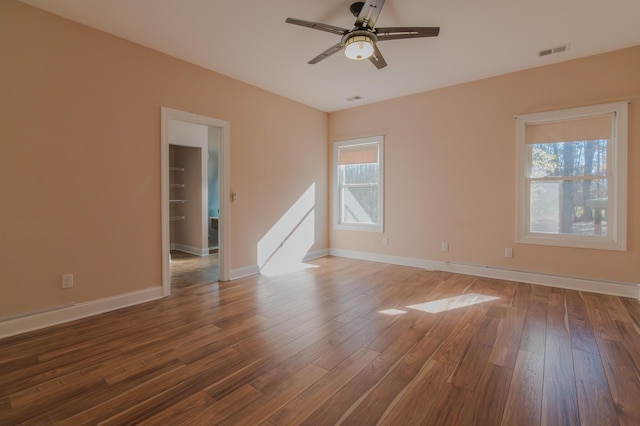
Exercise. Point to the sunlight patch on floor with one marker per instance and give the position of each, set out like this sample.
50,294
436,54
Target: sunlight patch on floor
450,303
392,312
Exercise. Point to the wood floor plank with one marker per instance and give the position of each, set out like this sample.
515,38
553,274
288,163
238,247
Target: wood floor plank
472,361
522,296
185,410
315,395
224,408
349,342
535,329
40,401
616,309
263,407
524,401
158,392
583,336
489,397
457,340
559,399
505,349
342,402
399,325
558,316
595,403
34,375
302,350
355,342
599,313
449,406
628,334
276,374
372,406
623,378
633,308
410,406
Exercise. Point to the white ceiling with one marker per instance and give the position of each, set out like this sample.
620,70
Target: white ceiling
251,42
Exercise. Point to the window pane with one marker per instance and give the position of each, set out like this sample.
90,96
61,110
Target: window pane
569,207
360,173
585,158
360,204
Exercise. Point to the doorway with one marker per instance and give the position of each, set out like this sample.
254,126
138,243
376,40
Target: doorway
195,170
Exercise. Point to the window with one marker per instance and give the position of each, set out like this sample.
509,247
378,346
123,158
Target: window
358,184
572,177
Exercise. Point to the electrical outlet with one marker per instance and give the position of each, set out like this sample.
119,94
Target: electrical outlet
67,281
385,241
508,252
444,246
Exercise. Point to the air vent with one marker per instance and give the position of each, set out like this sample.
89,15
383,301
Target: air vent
354,98
554,50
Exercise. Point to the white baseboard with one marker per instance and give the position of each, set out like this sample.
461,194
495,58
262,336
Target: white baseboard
244,271
383,258
41,319
316,254
196,251
581,284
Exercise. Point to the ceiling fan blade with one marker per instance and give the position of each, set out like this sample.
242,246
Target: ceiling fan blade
394,33
377,59
318,26
369,14
330,51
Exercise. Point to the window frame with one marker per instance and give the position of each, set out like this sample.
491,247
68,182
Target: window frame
616,238
336,190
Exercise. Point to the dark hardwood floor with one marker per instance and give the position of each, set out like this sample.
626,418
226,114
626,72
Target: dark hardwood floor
188,269
348,342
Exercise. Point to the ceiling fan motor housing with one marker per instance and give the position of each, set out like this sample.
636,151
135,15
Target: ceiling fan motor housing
359,44
356,8
359,33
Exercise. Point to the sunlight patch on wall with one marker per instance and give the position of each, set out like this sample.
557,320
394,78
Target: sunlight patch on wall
283,248
462,301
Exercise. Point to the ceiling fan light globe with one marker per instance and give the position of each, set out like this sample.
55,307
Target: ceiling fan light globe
359,47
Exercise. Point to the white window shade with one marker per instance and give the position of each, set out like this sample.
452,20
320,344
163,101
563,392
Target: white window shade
581,129
361,154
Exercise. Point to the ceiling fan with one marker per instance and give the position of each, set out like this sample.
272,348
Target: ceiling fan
360,42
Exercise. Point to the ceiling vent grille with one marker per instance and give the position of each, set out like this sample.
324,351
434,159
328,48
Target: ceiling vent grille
554,50
354,98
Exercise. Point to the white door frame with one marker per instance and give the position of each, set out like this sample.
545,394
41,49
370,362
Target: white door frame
224,163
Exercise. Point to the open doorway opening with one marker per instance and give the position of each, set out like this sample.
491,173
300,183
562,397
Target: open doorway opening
194,173
193,204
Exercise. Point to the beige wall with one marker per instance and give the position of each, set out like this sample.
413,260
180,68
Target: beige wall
80,160
450,167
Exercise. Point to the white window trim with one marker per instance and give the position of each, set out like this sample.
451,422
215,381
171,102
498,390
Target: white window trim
617,232
379,227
